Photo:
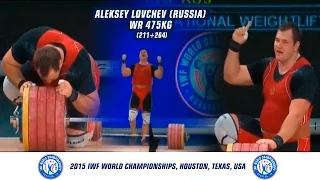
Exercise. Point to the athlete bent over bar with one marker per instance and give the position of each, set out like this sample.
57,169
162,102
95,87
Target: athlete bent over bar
44,56
289,88
142,79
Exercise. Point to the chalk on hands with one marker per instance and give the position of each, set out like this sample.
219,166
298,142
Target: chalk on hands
249,24
247,28
60,81
124,56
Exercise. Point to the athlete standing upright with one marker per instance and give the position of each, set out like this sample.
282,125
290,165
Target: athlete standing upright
290,87
142,79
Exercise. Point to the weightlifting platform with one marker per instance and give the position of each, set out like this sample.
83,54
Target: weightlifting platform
108,143
116,137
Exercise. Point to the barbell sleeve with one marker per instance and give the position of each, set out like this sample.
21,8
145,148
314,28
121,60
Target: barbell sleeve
84,119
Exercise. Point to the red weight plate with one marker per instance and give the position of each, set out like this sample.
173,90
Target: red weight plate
236,147
180,145
50,119
245,147
33,113
60,126
41,118
263,147
97,131
254,147
173,136
176,136
170,136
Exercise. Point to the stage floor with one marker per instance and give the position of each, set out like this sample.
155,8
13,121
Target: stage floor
123,144
196,143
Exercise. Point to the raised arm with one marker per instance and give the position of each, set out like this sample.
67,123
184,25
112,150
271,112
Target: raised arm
125,71
158,72
234,73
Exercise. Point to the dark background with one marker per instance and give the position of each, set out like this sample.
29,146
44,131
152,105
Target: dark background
75,19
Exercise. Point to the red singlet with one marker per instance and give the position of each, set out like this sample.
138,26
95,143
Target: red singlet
142,76
278,97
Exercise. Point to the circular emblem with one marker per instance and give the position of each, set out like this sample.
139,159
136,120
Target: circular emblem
199,74
50,166
264,166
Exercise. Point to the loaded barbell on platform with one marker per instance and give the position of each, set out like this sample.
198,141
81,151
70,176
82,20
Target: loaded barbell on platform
44,123
176,136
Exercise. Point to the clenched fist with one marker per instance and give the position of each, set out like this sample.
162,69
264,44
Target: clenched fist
124,57
240,35
64,88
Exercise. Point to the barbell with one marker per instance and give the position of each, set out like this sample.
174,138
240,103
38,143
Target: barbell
44,122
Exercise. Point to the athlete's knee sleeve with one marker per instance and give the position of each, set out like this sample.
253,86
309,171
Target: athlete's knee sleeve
133,115
146,117
11,91
226,130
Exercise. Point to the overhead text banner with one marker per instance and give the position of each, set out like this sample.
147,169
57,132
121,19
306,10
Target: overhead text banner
222,21
225,17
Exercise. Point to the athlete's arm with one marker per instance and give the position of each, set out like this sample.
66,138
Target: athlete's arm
88,101
11,67
304,90
126,71
157,71
243,75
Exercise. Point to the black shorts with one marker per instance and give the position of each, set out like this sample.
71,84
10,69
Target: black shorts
143,103
30,74
250,132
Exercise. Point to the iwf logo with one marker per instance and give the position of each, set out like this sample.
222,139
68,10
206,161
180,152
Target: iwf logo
50,166
199,74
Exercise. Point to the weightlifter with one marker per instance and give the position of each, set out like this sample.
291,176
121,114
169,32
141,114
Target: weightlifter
289,88
43,56
142,79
